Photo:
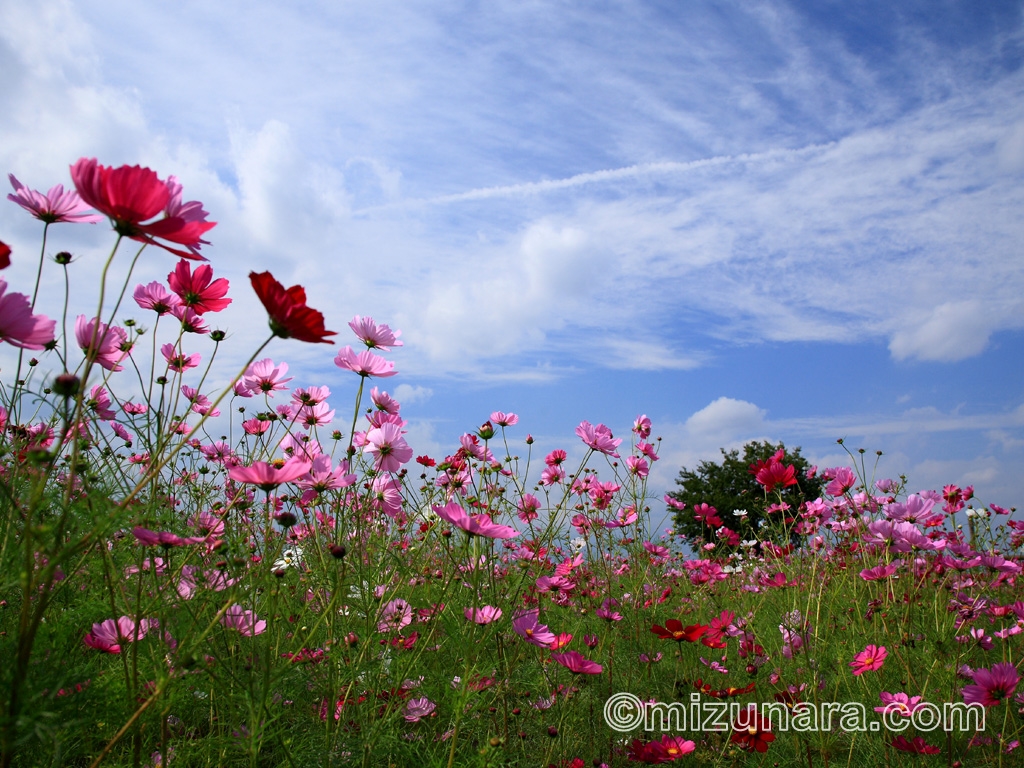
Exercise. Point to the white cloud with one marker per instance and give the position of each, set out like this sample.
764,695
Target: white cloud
408,394
726,419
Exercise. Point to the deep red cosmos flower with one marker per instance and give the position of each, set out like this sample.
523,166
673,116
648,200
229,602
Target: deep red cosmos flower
917,745
289,315
674,630
752,731
131,196
722,693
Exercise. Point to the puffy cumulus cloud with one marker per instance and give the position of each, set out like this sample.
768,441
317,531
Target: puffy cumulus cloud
407,394
726,419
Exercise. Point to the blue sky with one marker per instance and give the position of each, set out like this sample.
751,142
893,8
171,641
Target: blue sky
794,221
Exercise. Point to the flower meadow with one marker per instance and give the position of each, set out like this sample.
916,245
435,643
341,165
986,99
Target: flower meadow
267,574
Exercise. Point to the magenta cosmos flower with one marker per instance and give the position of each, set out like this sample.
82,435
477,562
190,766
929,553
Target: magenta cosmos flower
133,198
198,290
477,525
527,625
869,660
992,686
53,207
575,663
269,476
18,326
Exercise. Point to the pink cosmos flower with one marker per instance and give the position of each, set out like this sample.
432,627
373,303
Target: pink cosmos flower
374,336
156,297
384,402
255,426
108,635
198,289
269,476
899,702
245,621
322,478
388,447
179,361
310,395
527,625
396,616
148,538
503,419
110,346
365,363
992,686
123,433
478,525
577,664
483,615
417,709
878,572
528,506
263,376
191,322
870,659
132,196
642,426
53,207
318,415
99,403
598,437
18,326
638,466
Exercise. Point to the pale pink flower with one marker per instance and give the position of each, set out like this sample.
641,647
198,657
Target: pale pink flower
156,297
109,348
364,363
417,709
901,702
322,478
388,447
310,396
642,426
177,360
598,437
269,476
396,616
99,403
384,402
191,322
53,207
374,336
245,621
483,615
263,376
503,419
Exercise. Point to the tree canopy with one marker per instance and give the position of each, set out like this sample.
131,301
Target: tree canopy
731,487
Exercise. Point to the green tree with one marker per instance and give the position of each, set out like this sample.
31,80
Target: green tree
730,487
